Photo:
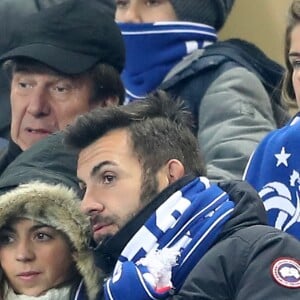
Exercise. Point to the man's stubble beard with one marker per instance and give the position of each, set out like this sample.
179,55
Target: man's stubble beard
149,190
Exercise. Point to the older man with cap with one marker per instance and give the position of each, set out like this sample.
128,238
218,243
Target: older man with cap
167,44
63,61
10,12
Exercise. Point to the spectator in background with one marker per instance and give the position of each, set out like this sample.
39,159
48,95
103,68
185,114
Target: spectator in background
166,45
63,61
274,168
10,11
44,245
160,225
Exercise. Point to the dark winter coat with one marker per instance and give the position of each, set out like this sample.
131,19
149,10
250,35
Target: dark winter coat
240,265
49,160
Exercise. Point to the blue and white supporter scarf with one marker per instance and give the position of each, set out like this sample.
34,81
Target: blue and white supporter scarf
153,49
274,171
159,257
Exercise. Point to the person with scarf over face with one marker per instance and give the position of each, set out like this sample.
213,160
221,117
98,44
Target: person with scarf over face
274,168
161,229
165,42
44,252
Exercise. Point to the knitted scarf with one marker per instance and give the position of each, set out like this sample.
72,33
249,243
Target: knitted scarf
158,258
153,49
274,171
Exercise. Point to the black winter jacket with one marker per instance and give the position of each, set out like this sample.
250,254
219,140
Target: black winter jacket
240,265
49,160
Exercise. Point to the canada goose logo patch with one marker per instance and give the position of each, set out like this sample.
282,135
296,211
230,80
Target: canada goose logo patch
286,272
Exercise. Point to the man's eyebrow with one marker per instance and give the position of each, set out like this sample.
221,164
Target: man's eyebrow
98,167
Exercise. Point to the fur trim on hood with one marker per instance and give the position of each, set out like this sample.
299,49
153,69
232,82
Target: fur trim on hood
58,207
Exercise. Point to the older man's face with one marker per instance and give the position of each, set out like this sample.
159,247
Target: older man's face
43,102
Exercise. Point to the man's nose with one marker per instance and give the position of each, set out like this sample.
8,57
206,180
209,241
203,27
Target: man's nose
91,204
38,105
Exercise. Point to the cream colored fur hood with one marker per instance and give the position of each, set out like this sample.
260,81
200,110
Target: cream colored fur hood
56,206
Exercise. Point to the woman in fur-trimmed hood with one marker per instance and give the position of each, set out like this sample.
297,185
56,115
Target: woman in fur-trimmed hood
54,206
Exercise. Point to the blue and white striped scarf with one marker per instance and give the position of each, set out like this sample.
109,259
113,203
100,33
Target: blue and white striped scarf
153,49
274,171
167,247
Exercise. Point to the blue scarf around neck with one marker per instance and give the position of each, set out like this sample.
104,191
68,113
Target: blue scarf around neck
153,49
159,257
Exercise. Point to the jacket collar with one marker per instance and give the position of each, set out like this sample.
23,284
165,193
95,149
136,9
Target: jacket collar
249,209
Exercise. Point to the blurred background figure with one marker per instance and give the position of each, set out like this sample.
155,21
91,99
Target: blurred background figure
173,45
269,37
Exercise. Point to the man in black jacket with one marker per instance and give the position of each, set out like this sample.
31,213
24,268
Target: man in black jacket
161,230
62,61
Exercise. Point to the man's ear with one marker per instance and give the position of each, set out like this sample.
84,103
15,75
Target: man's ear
169,173
175,170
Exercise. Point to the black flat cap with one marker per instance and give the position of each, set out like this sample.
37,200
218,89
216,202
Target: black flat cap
70,37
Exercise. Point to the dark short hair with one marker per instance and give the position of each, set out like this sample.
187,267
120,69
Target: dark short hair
160,129
106,79
288,92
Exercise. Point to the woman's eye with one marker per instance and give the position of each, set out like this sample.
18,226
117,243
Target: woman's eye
41,236
6,239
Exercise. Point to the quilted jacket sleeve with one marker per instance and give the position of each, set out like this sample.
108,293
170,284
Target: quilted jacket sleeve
234,115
